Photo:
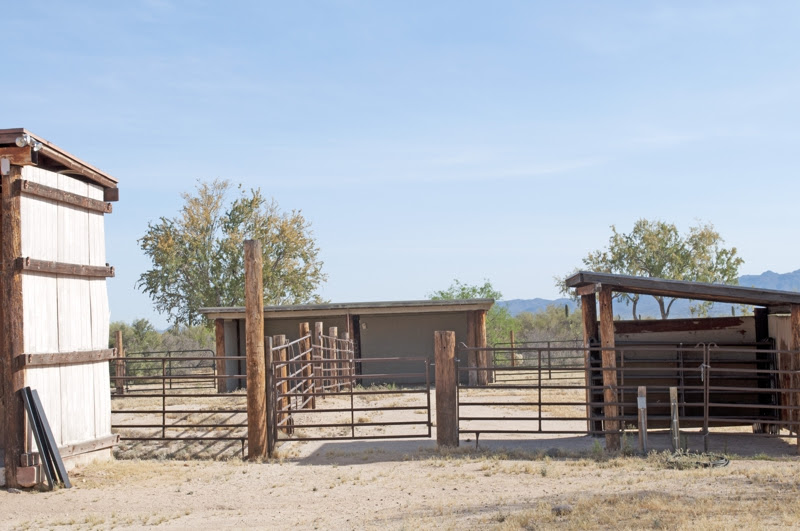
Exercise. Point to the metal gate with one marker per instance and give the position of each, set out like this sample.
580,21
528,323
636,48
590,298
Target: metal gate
321,392
539,390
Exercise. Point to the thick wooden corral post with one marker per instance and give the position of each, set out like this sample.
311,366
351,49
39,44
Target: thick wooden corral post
11,338
333,366
591,337
119,366
317,355
254,331
446,392
219,329
795,381
610,409
305,346
483,356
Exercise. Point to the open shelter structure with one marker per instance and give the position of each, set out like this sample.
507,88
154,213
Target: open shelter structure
729,371
377,329
54,314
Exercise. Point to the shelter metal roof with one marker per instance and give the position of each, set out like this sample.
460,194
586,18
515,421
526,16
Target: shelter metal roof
364,308
683,289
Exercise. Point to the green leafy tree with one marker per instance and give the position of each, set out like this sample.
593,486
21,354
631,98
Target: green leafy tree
554,323
657,249
139,336
499,321
198,260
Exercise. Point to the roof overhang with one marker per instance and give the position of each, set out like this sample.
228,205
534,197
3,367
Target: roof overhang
587,281
354,308
53,158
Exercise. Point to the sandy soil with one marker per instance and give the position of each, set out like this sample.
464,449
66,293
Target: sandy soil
508,482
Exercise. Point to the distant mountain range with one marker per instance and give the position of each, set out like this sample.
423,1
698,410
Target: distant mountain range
648,307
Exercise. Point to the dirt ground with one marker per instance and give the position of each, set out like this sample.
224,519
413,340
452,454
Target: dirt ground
506,482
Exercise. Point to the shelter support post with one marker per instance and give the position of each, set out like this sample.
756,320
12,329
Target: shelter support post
446,391
472,355
483,356
795,381
610,409
591,338
254,331
219,329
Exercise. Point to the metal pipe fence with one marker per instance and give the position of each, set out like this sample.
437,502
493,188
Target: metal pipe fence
169,400
355,403
718,386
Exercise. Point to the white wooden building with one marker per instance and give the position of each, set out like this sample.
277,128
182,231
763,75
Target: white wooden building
53,302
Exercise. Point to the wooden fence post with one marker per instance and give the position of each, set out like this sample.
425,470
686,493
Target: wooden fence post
333,367
219,329
254,344
318,355
308,368
446,391
347,365
119,367
279,354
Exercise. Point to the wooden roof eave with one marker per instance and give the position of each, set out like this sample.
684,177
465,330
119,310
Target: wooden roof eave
681,289
62,159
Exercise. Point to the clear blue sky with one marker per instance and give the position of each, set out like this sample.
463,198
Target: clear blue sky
427,141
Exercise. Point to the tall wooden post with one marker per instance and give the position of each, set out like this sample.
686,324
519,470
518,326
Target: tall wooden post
119,364
318,355
484,356
795,365
219,333
610,409
472,355
333,366
591,338
446,391
308,369
254,341
12,379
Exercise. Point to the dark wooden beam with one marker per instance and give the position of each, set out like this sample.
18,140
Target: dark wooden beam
676,325
64,358
47,192
61,268
18,156
588,289
682,289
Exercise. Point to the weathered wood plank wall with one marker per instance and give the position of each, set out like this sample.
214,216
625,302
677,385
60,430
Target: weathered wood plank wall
66,313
